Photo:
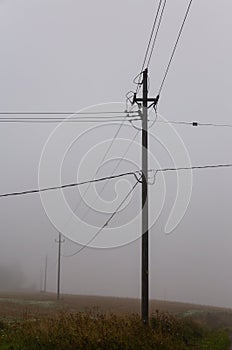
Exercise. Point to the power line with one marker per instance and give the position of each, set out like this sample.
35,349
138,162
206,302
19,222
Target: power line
62,113
198,167
49,121
175,46
194,124
105,224
115,168
11,194
213,166
87,118
135,174
103,159
157,32
148,46
75,118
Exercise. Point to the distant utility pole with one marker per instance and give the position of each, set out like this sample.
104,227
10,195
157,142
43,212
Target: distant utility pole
59,241
45,273
145,224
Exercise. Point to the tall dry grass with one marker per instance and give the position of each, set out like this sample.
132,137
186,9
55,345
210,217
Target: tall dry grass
92,331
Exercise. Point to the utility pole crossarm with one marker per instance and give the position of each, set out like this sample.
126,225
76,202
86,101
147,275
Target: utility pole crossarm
148,99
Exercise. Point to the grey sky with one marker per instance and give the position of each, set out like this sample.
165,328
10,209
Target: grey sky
67,55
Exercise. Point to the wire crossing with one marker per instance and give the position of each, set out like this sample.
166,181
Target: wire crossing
113,172
106,223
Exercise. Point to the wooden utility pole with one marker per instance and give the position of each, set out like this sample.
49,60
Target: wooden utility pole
145,222
45,273
59,241
145,237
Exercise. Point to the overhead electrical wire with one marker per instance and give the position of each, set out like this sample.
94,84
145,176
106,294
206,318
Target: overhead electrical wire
156,34
62,113
135,174
148,59
155,171
75,184
198,167
144,63
75,119
103,159
49,121
195,123
94,118
66,122
175,47
116,167
113,172
148,46
105,224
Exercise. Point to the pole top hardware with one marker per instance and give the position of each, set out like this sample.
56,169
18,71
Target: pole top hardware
154,101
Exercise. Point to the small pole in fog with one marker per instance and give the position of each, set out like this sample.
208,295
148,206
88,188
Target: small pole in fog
45,274
59,241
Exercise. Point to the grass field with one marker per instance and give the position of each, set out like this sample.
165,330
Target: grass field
37,321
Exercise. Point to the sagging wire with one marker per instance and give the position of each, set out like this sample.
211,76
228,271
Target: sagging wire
138,180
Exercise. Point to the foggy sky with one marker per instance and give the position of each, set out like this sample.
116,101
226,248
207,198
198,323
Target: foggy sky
67,55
